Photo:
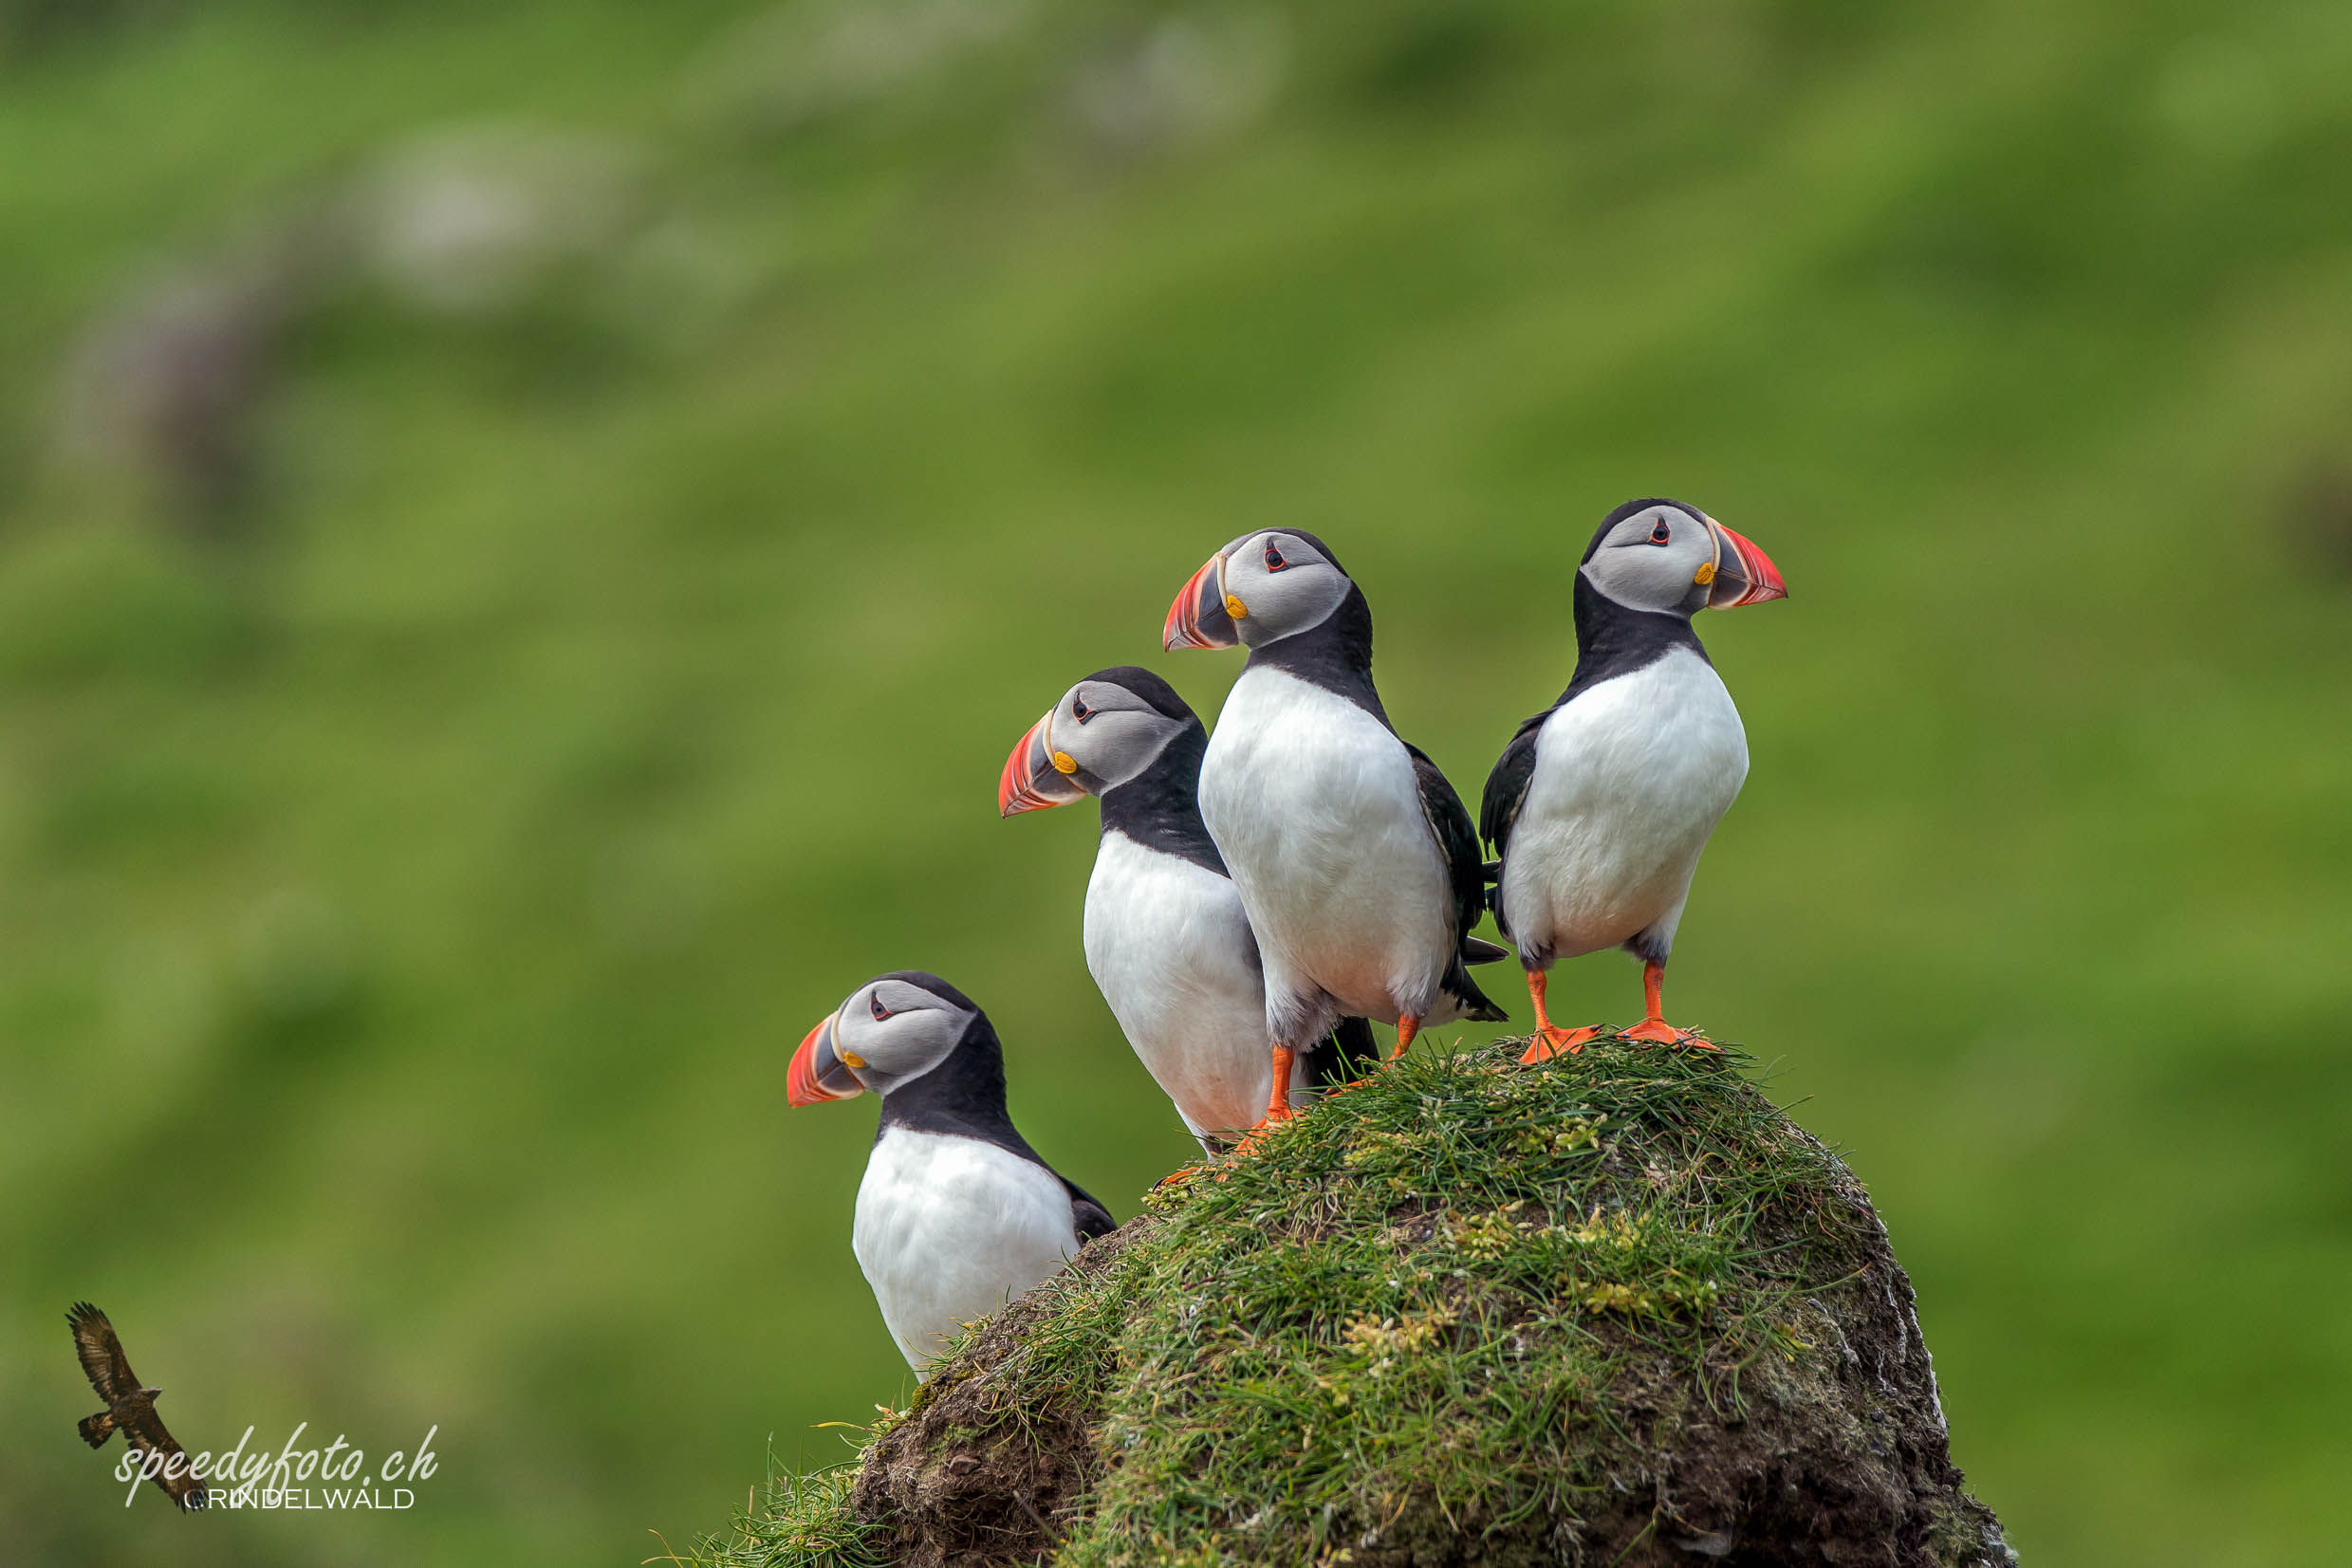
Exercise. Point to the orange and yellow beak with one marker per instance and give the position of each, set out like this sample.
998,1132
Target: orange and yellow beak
1202,616
1742,573
817,1073
1036,776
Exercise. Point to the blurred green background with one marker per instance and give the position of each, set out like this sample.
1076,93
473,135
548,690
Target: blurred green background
526,534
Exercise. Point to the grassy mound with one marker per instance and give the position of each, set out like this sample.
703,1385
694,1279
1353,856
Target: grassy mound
1614,1310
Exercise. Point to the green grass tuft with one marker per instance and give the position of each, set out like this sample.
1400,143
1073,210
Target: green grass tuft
805,1521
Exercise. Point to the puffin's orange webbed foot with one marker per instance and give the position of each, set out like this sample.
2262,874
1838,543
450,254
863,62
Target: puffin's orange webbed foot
1657,1031
1654,1029
1275,1115
1249,1141
1551,1040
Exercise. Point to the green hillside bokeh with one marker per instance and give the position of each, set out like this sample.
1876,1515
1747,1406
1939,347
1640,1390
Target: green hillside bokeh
426,829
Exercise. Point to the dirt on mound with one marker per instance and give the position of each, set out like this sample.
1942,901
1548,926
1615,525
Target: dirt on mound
983,1463
1608,1313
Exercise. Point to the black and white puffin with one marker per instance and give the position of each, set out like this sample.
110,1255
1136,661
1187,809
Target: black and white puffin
1601,803
1356,860
1166,937
957,1215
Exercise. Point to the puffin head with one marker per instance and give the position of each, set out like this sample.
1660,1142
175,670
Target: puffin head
890,1032
1105,731
1260,588
1674,558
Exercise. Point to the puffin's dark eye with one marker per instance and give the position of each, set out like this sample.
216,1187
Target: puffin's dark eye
876,1008
1079,710
1660,533
1274,563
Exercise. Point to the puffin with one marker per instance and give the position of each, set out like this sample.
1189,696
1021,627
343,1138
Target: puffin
1166,935
1357,862
1601,804
957,1215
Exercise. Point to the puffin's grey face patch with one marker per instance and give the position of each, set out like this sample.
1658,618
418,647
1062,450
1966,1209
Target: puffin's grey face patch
890,1032
1277,583
1109,732
1654,561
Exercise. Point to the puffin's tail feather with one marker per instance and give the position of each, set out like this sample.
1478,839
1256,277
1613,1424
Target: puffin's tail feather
1474,1003
1477,949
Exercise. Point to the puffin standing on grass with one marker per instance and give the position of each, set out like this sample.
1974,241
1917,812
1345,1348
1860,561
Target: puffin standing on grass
957,1215
1356,860
1166,937
1601,803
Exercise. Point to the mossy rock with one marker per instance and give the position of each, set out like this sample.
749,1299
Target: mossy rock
1610,1311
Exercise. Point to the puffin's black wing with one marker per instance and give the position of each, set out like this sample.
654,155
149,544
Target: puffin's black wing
1506,786
1090,1217
1457,841
1498,806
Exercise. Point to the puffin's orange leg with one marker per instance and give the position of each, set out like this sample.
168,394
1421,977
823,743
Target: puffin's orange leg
1278,1096
1277,1102
1654,1029
1550,1039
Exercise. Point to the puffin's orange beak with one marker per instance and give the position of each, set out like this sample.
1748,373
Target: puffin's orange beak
1199,618
816,1073
1744,575
1034,777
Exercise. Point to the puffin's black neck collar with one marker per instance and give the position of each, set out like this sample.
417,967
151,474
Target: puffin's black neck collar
1334,654
1615,640
1159,808
964,1095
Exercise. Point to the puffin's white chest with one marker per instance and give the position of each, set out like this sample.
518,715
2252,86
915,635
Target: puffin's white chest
948,1229
1170,946
1315,807
1630,779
